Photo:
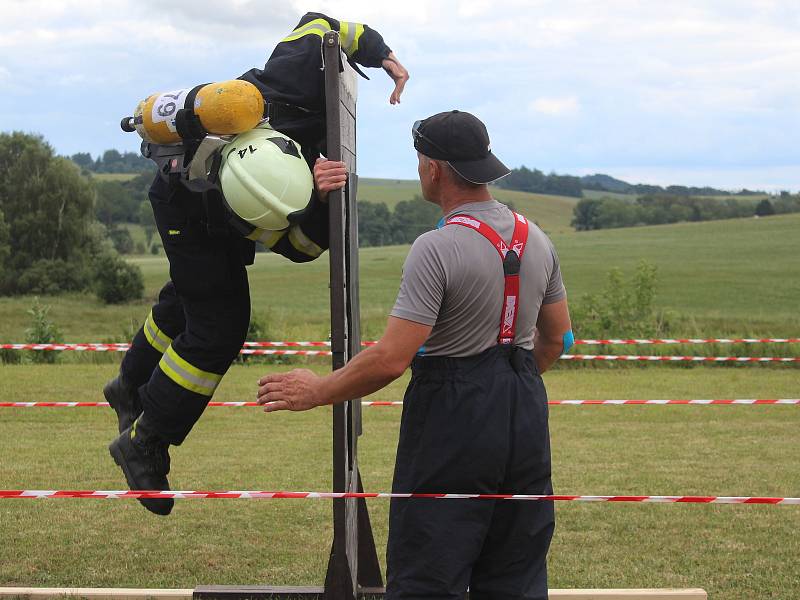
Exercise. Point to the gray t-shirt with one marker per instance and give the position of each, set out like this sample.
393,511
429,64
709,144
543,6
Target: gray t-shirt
453,280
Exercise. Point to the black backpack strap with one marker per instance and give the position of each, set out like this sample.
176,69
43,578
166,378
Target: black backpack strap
187,123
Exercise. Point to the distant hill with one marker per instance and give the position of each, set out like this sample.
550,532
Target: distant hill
605,183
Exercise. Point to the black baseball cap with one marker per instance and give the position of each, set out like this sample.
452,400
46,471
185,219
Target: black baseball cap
460,139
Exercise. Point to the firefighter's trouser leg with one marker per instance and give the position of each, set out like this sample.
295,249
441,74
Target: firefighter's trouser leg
165,321
471,425
210,282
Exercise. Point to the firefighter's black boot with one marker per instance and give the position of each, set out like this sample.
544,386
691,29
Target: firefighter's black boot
144,458
124,399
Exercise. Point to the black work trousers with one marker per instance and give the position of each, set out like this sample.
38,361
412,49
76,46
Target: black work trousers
200,322
472,425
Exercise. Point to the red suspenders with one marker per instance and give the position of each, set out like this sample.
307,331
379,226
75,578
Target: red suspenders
511,257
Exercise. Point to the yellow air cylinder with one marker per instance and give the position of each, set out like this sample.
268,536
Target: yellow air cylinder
224,108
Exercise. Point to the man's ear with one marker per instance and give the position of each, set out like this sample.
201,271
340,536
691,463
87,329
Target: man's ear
435,168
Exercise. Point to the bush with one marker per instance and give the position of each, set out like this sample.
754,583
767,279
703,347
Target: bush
622,309
53,276
42,331
122,240
117,281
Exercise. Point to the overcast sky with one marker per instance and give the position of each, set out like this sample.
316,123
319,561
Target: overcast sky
684,91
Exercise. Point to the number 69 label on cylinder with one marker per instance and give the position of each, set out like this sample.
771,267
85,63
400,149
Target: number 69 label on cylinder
166,105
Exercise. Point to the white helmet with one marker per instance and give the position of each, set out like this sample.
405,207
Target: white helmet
264,178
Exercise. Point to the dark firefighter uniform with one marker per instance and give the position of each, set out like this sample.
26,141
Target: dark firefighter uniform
199,324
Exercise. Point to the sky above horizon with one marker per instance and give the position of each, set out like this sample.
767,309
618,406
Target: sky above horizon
692,92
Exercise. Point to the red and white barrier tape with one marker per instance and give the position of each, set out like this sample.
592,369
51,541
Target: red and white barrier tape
637,342
90,347
123,346
588,342
705,359
716,401
262,352
263,495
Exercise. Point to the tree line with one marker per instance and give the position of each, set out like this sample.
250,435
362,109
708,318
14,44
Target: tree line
112,161
536,182
659,209
380,226
606,183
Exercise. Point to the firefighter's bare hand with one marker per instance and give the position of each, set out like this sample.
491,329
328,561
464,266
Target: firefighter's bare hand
329,175
296,390
399,75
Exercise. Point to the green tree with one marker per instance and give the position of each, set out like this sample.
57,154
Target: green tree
765,208
146,219
412,218
83,160
5,248
584,215
374,224
115,280
48,208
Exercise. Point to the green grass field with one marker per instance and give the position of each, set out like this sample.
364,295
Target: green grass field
114,176
734,552
719,278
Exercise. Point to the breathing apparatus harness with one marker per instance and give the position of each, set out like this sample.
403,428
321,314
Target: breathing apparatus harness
195,163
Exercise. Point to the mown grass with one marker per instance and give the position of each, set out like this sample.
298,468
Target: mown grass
734,552
737,277
114,176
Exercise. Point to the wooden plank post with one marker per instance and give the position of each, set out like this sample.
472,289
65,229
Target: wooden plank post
353,561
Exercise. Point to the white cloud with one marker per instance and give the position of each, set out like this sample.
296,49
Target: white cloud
556,106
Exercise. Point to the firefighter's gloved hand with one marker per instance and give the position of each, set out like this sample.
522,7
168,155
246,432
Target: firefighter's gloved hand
399,75
329,175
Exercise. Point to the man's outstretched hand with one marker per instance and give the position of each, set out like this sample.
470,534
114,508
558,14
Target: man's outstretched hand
399,75
299,389
329,175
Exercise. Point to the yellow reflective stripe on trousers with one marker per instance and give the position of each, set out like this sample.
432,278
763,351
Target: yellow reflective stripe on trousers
349,34
265,236
188,376
302,243
316,27
157,338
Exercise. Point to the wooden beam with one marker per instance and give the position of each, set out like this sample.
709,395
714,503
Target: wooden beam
31,593
632,594
265,592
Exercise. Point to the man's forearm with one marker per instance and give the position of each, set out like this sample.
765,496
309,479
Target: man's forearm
368,372
546,352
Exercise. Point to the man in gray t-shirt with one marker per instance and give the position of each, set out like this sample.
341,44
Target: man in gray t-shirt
481,312
453,281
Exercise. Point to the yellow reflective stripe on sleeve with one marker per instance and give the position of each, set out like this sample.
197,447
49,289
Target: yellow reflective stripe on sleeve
302,243
265,236
157,338
188,376
316,27
349,34
353,48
